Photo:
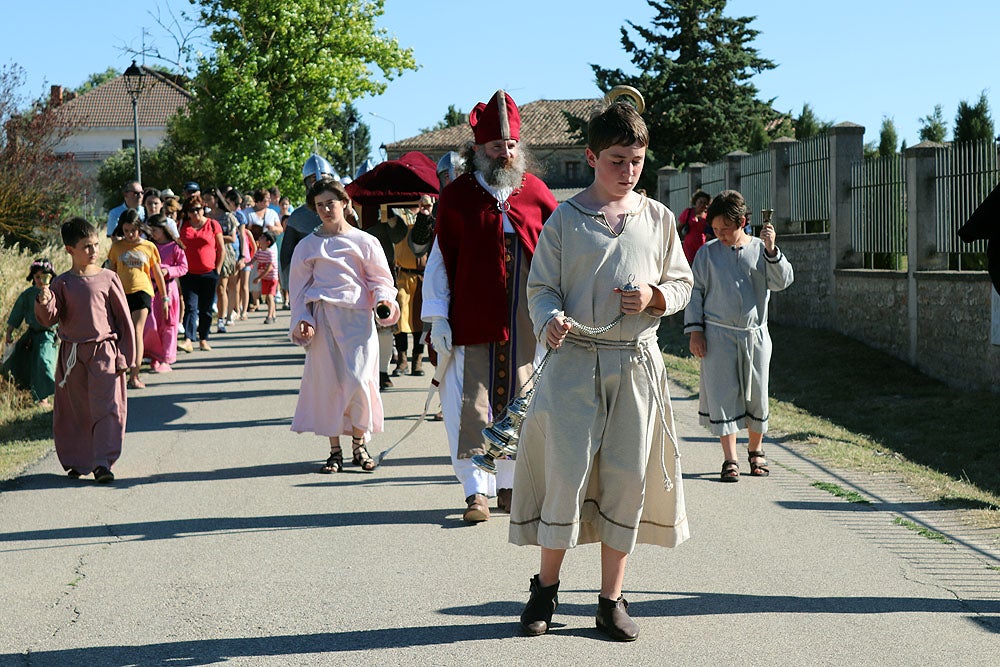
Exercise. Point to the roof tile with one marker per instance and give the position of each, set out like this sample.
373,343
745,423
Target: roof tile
542,124
109,104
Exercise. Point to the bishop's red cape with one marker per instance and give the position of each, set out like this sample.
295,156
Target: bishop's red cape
469,232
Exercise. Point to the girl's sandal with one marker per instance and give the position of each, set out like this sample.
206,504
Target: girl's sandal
361,456
758,469
730,471
335,463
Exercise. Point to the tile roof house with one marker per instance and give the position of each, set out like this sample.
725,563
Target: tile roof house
101,118
544,129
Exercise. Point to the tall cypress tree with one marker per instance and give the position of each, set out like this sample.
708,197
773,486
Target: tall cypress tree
973,121
695,65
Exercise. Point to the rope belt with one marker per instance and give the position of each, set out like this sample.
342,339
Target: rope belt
755,335
70,363
645,359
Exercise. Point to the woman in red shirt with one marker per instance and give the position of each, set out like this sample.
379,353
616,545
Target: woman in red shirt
205,251
693,226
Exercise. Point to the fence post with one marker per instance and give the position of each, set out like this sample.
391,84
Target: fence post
733,169
921,232
663,175
921,209
846,148
781,200
693,172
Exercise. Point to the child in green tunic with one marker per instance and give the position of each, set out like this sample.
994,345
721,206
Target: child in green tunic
32,364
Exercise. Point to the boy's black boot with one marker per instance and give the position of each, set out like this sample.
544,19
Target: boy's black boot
614,621
538,612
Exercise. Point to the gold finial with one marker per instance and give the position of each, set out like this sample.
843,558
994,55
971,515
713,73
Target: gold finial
627,92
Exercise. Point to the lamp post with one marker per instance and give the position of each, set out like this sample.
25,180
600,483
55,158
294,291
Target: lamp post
372,113
134,77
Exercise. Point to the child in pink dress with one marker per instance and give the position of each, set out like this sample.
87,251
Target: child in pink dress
98,347
160,335
338,275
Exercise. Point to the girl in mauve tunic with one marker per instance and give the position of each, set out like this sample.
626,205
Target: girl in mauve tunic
338,275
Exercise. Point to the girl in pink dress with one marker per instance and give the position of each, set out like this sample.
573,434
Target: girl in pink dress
160,335
338,276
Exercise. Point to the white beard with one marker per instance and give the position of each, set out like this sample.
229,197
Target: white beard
498,175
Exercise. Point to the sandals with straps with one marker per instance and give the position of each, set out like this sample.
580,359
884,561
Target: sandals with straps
335,463
758,469
730,471
362,458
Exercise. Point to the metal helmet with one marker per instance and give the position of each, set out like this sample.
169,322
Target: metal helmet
452,163
317,166
365,167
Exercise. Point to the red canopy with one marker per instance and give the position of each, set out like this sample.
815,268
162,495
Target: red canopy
404,179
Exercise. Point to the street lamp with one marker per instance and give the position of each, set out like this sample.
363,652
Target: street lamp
134,77
372,113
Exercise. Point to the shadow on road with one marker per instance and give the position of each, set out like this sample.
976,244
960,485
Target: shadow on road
180,528
212,651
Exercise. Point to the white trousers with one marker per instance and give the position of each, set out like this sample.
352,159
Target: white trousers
473,479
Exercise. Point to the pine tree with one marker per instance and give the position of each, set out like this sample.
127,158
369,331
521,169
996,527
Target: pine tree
973,122
695,68
933,127
887,138
808,125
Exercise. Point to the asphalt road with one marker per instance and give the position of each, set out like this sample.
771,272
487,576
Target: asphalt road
220,543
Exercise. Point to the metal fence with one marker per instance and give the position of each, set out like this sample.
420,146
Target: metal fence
878,205
965,176
680,192
713,178
809,183
755,183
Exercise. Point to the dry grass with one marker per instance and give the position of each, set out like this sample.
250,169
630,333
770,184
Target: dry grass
861,409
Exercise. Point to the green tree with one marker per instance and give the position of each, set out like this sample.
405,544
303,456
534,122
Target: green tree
758,139
973,121
888,139
96,79
345,155
809,125
695,68
279,68
933,126
453,117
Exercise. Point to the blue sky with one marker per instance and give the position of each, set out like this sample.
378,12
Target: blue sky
853,60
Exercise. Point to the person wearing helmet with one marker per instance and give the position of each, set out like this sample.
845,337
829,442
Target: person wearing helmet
449,167
302,221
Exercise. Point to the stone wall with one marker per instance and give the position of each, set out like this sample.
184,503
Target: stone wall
872,307
953,330
807,301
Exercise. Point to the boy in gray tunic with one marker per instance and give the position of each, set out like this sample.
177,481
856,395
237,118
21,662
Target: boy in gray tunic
734,276
597,460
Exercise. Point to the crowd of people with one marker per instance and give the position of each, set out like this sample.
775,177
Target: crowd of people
506,280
